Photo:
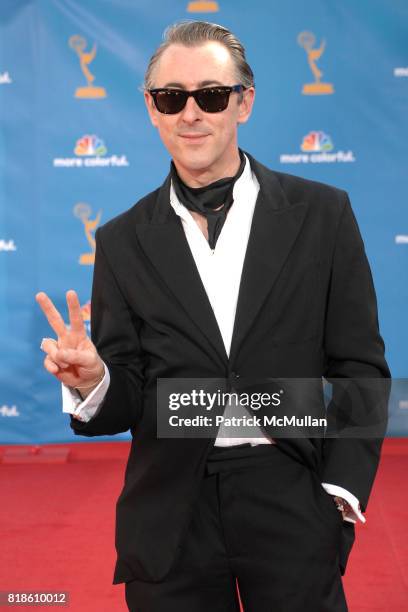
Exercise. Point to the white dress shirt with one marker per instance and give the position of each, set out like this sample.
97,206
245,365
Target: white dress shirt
220,271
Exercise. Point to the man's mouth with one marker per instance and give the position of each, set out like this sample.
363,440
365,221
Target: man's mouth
193,136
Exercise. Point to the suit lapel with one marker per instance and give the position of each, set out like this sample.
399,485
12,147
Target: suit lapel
165,244
275,226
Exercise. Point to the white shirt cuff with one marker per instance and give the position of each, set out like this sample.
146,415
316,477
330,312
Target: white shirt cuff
84,410
350,498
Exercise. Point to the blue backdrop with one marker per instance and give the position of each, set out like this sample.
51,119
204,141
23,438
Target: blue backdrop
77,148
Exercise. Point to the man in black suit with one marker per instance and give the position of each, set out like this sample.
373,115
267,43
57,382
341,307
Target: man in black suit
228,271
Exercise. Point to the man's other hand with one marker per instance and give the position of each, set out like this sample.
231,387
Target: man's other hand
344,507
72,358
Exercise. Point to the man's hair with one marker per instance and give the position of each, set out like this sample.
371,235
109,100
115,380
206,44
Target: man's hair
195,33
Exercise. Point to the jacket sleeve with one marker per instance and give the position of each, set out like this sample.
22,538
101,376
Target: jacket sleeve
115,333
355,366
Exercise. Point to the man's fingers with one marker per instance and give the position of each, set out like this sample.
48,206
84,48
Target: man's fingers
50,346
64,357
53,316
85,359
47,344
50,366
75,315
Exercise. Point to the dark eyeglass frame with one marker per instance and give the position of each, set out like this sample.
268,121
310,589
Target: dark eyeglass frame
223,91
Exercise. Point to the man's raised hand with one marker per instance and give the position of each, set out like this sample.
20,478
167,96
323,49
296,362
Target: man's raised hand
72,357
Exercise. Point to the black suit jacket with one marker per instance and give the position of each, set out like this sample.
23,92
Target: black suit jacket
306,308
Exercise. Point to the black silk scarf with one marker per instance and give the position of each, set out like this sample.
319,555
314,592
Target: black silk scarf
205,199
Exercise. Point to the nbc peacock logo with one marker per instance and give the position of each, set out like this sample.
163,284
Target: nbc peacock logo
317,147
90,145
316,141
90,152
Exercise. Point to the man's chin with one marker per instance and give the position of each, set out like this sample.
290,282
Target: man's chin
195,160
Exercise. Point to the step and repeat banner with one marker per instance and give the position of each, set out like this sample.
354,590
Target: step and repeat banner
77,148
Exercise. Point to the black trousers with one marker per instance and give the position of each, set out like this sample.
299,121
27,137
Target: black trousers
263,524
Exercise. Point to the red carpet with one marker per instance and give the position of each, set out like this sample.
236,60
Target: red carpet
57,529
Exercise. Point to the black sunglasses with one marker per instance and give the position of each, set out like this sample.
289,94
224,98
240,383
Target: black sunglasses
209,99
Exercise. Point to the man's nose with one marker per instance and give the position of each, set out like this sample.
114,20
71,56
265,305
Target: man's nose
191,112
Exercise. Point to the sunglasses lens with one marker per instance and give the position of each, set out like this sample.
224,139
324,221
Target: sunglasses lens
170,102
212,100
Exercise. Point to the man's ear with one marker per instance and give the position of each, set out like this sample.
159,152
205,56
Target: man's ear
245,107
151,109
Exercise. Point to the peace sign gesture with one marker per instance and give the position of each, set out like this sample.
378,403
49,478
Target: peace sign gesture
72,357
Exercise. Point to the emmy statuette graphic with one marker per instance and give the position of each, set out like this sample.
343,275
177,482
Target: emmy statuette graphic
78,44
307,41
83,212
202,7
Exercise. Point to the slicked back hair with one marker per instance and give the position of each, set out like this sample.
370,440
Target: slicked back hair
195,33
